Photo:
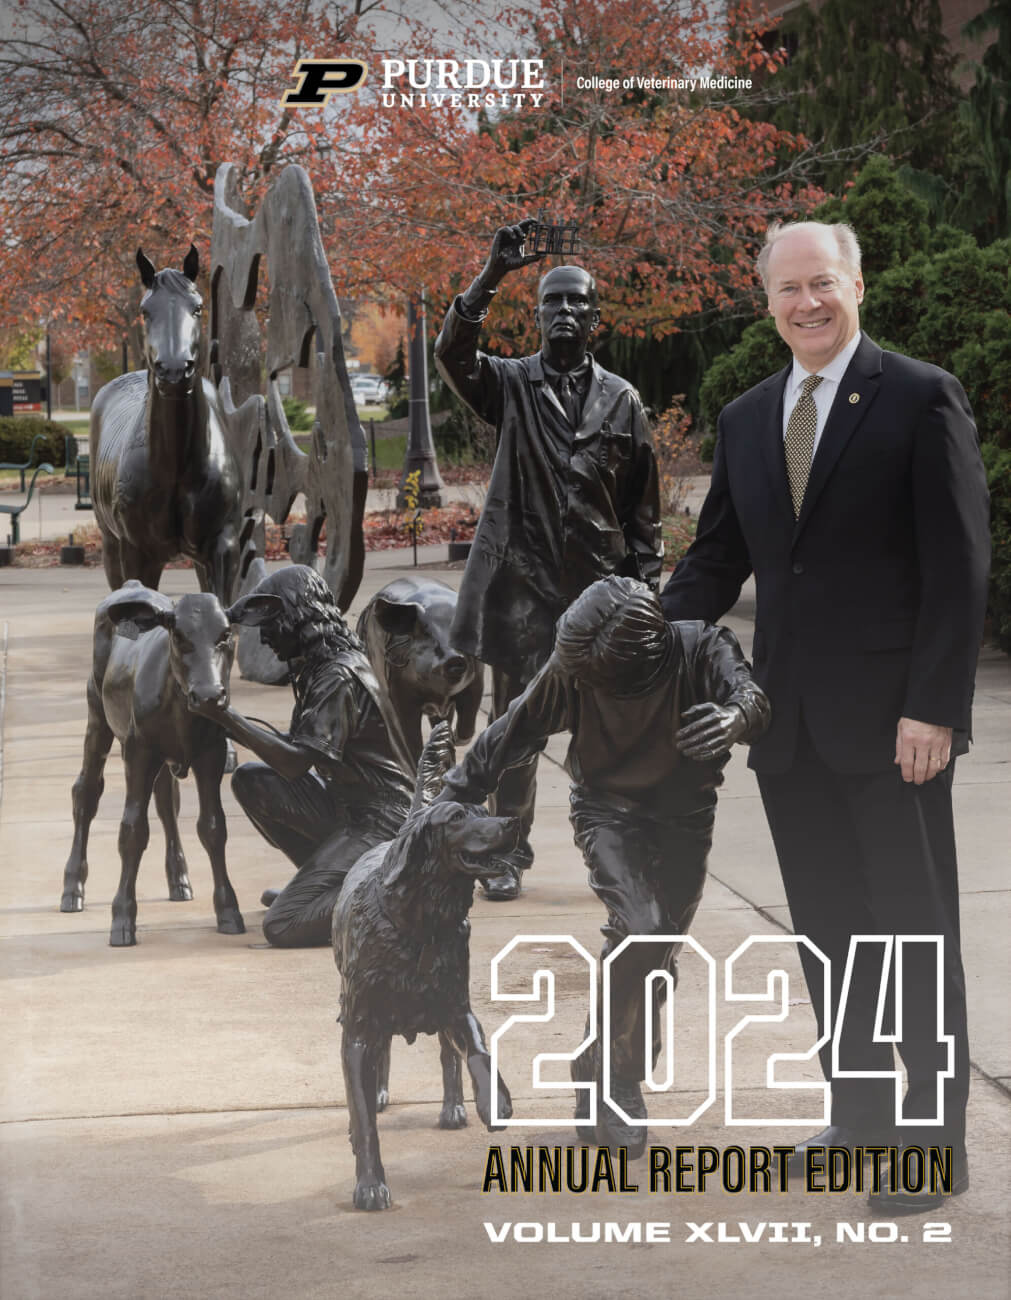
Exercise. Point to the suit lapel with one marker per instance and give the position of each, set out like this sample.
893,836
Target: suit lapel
770,432
857,390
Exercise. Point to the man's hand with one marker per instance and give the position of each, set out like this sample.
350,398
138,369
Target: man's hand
710,731
921,749
507,253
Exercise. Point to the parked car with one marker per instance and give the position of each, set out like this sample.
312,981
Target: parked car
369,390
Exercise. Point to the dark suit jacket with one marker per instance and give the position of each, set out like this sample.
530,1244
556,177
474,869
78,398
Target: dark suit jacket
869,606
564,507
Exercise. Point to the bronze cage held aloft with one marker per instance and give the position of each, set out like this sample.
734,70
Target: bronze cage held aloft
551,237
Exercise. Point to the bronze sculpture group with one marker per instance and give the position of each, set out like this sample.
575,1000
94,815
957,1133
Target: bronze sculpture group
572,516
559,598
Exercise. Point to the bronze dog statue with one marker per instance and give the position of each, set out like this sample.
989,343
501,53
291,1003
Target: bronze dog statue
401,942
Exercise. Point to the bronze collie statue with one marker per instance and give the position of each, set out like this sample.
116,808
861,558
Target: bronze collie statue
401,943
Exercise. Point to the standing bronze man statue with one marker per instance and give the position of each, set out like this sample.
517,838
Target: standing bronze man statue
573,495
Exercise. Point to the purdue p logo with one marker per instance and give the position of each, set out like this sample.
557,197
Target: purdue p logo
318,79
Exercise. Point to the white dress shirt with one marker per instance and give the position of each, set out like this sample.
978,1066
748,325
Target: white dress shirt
824,394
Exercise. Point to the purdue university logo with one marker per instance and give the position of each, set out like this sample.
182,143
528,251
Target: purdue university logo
318,79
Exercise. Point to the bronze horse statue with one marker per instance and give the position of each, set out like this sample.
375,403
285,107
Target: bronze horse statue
163,479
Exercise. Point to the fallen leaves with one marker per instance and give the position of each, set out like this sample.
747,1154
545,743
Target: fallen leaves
384,530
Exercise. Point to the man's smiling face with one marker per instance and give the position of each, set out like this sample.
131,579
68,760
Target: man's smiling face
814,298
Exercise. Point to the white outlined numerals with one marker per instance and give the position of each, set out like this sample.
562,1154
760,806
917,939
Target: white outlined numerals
543,992
662,1077
668,1057
895,948
777,990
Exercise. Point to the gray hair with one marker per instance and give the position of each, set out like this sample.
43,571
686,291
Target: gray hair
844,234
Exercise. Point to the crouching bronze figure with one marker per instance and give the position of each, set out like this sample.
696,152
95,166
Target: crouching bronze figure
653,709
331,787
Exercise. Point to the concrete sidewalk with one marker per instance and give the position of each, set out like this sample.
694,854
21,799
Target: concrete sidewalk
173,1119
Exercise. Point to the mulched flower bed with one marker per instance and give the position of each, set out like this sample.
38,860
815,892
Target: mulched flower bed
384,530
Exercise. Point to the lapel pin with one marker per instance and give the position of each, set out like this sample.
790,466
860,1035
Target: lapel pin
854,398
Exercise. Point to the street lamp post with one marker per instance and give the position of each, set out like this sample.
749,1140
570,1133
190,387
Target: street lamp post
420,453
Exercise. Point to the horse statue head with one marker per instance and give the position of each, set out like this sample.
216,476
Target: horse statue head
171,310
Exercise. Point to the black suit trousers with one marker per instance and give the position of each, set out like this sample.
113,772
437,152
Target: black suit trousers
872,854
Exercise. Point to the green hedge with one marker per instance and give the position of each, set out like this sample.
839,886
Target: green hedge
998,475
17,432
297,414
760,353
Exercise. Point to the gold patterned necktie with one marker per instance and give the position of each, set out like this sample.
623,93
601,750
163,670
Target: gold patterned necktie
799,442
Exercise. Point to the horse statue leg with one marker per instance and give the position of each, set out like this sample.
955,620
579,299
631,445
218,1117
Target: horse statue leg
112,560
218,570
218,576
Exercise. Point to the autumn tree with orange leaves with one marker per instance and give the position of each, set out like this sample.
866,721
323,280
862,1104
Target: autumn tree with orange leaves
114,116
670,188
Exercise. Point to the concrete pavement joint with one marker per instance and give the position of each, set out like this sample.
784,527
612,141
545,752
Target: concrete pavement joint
755,907
1000,1084
309,1108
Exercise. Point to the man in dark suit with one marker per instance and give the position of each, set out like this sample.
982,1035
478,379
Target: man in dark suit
573,495
851,485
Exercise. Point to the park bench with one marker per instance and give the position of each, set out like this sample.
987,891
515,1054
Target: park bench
15,512
71,448
79,464
39,437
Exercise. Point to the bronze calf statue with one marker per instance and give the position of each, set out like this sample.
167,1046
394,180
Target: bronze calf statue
154,663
